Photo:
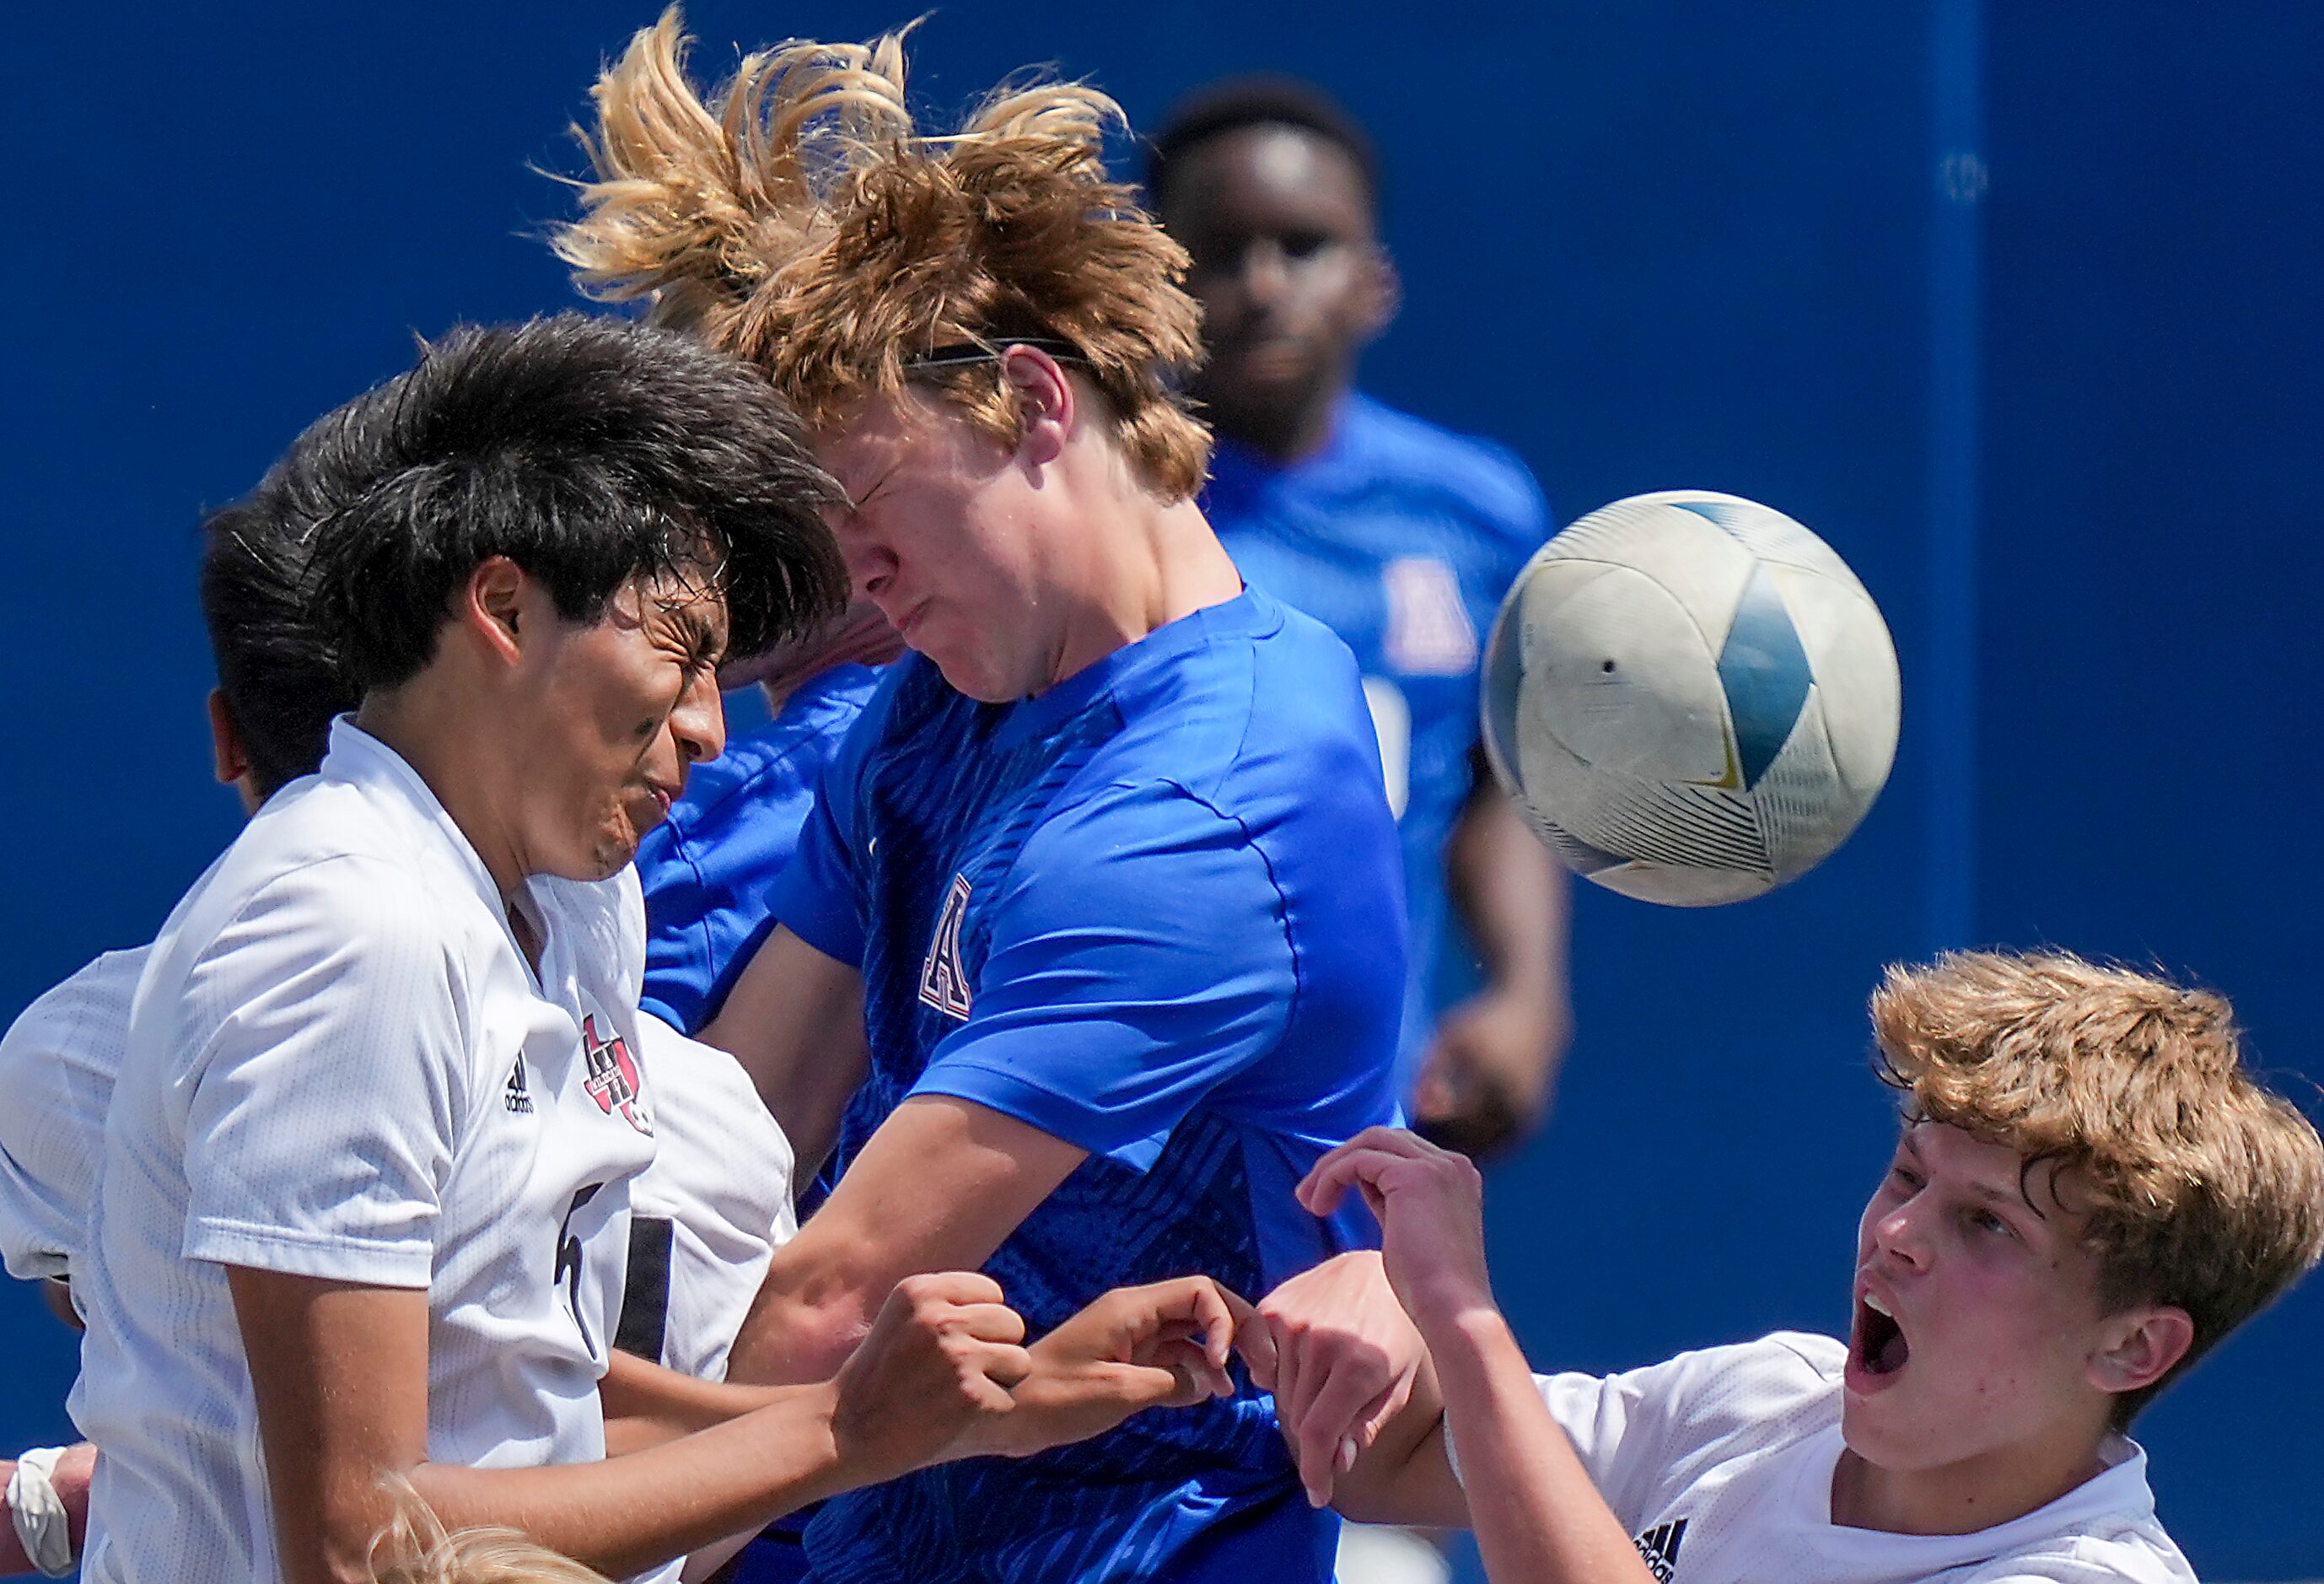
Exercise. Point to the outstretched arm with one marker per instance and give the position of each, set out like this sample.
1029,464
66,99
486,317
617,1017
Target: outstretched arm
1536,1515
339,1373
940,1184
1486,1079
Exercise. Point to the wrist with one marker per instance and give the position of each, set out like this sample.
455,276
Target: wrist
1458,1319
807,1423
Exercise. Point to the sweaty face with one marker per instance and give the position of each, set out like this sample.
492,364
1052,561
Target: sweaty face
941,536
1280,229
1977,1314
617,710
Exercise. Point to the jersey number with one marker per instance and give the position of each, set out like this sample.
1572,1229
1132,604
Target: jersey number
568,1265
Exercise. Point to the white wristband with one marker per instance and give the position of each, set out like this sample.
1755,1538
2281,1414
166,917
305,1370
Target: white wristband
39,1512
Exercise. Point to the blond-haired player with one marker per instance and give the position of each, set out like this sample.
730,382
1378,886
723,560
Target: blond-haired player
1093,944
2090,1190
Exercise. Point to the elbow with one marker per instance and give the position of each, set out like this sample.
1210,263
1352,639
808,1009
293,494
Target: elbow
803,1328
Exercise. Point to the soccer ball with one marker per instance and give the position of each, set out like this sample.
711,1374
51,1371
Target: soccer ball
1690,697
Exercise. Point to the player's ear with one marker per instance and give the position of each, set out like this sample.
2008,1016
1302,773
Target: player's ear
232,760
490,605
1045,403
1383,291
2139,1347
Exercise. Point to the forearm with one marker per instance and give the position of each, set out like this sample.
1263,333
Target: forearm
1537,1517
1404,1476
646,1405
626,1514
70,1478
1511,897
808,1317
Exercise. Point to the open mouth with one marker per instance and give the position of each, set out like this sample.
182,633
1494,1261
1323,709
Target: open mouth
1878,1349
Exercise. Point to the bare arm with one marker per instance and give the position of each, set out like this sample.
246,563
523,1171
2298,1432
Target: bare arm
1486,1080
795,1020
70,1482
647,1404
1537,1517
339,1374
938,1187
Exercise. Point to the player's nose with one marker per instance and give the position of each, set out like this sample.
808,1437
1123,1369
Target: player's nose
699,722
1262,275
1902,1235
870,566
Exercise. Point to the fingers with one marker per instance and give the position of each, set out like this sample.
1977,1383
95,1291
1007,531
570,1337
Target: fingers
1003,1368
1255,1341
1331,1169
1331,1427
951,1287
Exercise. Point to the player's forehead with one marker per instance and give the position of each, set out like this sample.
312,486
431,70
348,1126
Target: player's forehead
684,605
884,439
1988,1170
1268,176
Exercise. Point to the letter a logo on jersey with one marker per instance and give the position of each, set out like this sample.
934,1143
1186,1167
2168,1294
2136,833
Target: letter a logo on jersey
943,983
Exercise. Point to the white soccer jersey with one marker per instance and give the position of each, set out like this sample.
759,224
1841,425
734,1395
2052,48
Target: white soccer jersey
1720,1463
57,1063
709,1213
339,1065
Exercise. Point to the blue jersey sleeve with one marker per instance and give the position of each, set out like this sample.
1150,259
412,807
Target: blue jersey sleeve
1137,959
817,895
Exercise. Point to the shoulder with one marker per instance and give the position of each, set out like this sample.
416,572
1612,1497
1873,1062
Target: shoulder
1258,700
782,756
2124,1554
61,1019
1784,1384
1481,475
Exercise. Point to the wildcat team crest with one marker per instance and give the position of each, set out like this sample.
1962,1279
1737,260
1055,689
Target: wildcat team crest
614,1080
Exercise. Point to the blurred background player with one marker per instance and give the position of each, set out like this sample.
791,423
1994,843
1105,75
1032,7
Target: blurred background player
1099,895
1398,535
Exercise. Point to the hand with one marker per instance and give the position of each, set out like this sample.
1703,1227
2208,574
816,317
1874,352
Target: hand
1430,1204
1340,1355
1485,1078
1161,1346
941,1357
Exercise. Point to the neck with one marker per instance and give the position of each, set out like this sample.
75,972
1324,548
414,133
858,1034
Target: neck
1146,564
1992,1487
1285,432
421,725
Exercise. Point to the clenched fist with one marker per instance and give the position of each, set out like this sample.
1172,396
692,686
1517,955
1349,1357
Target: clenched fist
940,1359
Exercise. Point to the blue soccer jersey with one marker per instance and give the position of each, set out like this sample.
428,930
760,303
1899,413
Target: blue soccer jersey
1401,538
709,869
1151,911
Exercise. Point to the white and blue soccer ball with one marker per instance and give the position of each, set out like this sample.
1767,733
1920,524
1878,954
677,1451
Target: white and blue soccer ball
1692,697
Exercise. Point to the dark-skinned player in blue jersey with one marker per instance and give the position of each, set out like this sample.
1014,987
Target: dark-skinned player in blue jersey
1401,536
1094,941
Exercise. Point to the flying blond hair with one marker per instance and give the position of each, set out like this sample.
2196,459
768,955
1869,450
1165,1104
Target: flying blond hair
2199,1187
415,1548
799,218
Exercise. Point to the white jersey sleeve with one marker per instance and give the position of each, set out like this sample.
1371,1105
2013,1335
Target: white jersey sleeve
325,1099
56,1065
1642,1431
